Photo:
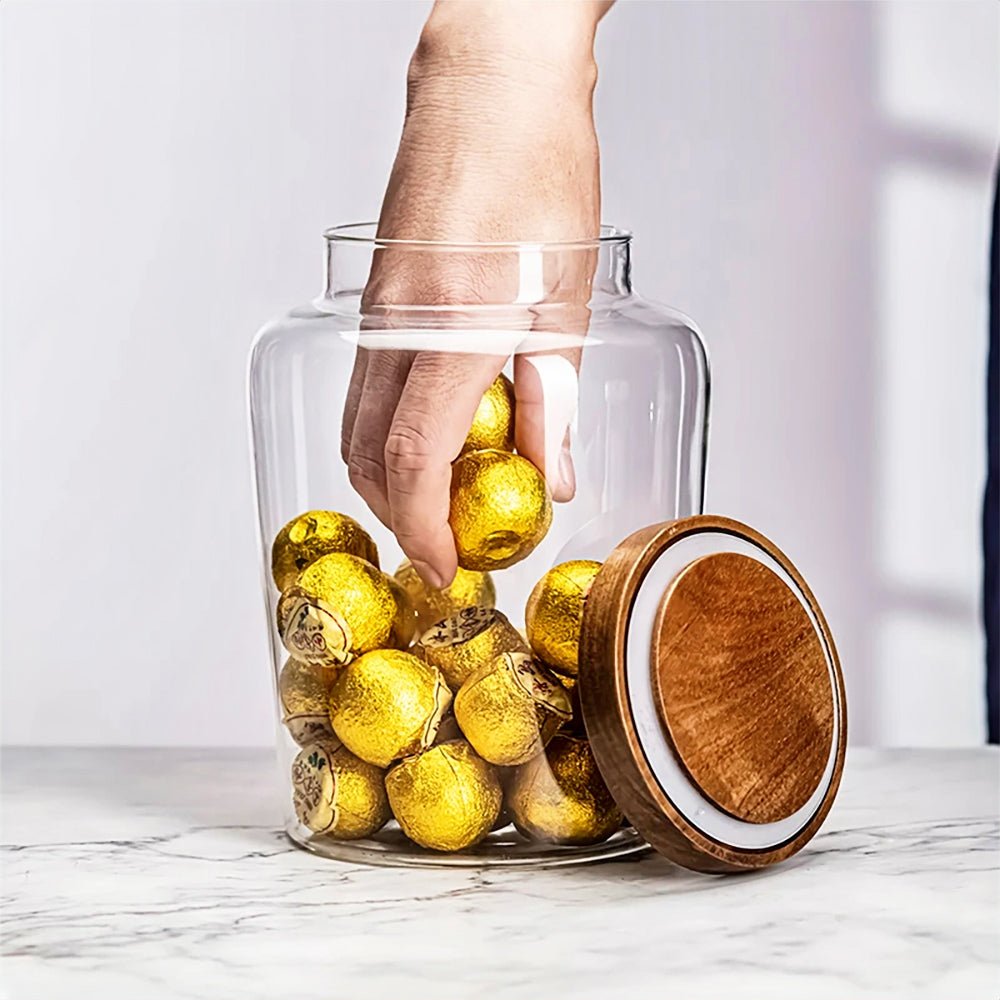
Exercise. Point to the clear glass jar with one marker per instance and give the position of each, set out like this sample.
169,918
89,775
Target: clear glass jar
496,770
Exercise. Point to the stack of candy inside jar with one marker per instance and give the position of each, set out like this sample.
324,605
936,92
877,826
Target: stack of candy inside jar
428,706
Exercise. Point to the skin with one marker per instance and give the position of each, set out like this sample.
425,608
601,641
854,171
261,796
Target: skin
498,144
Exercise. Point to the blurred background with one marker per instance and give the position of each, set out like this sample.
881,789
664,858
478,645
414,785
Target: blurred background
811,182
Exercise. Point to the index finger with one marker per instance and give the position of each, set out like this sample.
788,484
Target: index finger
428,430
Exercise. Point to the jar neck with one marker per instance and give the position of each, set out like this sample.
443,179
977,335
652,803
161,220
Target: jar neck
488,274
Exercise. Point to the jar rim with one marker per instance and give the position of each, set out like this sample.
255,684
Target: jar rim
365,233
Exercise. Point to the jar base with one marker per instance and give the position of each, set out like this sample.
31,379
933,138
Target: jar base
502,849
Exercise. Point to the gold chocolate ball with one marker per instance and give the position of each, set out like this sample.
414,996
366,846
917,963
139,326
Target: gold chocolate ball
554,613
304,691
339,607
313,534
463,642
468,589
336,794
510,708
501,509
404,626
388,704
446,798
493,423
560,796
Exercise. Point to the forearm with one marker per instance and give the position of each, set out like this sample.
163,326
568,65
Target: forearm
499,112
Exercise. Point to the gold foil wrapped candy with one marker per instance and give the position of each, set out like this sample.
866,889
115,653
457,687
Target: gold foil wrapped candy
560,796
304,691
554,613
336,794
465,641
510,708
500,509
339,607
469,588
388,704
447,798
313,534
493,423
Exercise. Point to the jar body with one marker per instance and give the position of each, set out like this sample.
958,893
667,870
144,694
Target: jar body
636,416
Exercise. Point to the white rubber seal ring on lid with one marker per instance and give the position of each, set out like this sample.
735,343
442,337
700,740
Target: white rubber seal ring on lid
702,814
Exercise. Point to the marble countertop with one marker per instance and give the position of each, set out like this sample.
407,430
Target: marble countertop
154,874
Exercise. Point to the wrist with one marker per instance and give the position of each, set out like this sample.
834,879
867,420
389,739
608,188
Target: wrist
549,44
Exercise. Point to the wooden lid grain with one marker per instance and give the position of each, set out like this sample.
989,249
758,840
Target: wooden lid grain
712,694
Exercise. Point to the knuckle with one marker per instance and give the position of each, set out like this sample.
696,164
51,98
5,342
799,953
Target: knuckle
364,471
408,449
414,282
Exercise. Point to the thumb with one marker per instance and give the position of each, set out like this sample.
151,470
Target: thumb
546,387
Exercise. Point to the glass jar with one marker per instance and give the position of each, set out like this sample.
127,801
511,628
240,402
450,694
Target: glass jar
443,727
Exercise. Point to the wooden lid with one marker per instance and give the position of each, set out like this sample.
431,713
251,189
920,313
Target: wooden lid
712,694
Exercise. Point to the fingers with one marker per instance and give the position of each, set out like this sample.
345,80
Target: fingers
407,414
385,374
431,421
545,392
351,403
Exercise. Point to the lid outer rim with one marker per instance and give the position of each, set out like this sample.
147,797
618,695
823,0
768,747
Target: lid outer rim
605,702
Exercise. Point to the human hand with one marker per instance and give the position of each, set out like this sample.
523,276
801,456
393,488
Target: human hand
498,145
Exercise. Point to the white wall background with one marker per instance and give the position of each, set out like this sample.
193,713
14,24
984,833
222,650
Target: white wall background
810,181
